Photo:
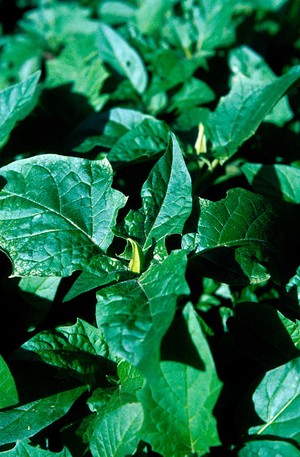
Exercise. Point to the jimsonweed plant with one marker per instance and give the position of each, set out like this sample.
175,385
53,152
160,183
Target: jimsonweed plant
149,212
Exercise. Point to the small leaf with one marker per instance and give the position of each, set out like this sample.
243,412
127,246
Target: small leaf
122,57
26,420
8,390
15,103
54,229
276,401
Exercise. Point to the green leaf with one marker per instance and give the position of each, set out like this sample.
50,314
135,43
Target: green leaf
23,449
274,181
123,58
233,233
179,396
16,102
150,14
116,432
26,420
245,60
8,390
53,25
99,271
292,328
264,448
116,427
54,229
166,197
77,348
112,127
42,288
79,64
115,12
134,315
276,401
143,142
193,93
293,287
239,114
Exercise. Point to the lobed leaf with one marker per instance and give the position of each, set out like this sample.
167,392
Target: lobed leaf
54,228
24,449
239,227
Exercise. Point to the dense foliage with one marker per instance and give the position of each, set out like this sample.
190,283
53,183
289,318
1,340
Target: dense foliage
149,213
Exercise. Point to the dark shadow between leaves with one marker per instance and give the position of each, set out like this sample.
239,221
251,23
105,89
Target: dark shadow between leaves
258,342
178,346
221,265
284,235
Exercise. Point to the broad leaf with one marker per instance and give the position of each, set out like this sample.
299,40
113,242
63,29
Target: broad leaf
179,396
123,58
166,197
145,141
117,129
264,448
24,449
99,271
150,14
116,427
54,228
277,400
26,420
77,348
8,390
233,233
239,114
193,93
53,25
116,432
15,103
42,288
134,315
274,181
80,65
